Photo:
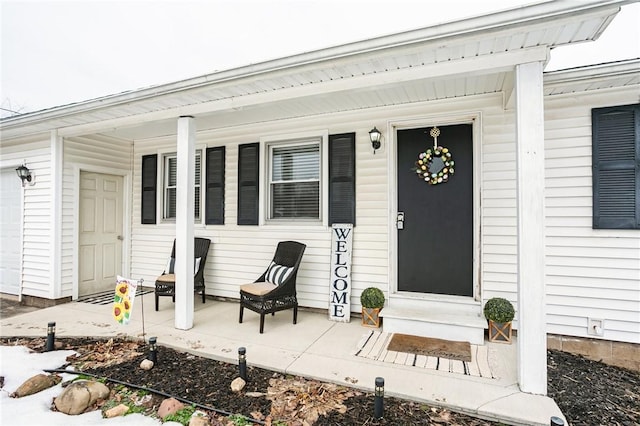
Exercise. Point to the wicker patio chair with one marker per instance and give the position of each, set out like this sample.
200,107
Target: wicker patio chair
166,283
275,290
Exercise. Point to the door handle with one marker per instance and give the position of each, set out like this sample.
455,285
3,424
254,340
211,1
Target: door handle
120,237
400,220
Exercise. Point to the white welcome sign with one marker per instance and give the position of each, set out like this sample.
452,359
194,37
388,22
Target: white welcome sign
340,290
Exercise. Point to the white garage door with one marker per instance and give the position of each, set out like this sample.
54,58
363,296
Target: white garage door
10,214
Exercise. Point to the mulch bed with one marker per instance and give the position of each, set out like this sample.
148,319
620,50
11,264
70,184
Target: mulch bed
588,393
593,393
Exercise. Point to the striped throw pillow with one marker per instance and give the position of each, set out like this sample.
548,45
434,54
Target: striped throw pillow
171,264
277,274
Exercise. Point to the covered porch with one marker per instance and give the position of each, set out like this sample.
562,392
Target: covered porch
487,71
314,348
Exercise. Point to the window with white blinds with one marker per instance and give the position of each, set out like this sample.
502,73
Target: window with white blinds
294,181
170,188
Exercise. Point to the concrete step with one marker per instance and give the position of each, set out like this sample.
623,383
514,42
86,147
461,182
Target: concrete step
465,325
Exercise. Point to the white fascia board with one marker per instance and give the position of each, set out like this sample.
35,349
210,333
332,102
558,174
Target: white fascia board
591,72
508,19
497,62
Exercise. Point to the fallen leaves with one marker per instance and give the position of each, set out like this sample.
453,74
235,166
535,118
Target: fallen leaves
105,353
299,402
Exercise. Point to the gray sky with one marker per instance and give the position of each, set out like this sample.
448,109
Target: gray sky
59,52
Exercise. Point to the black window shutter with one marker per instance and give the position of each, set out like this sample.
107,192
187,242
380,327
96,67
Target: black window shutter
149,183
214,212
616,167
248,181
342,178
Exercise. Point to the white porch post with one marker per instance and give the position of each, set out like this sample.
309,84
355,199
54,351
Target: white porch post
57,169
532,339
184,223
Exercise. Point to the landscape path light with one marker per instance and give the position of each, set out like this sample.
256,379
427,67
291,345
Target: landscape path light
379,401
153,350
242,362
51,336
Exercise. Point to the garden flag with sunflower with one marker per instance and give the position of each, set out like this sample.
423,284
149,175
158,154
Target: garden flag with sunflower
123,299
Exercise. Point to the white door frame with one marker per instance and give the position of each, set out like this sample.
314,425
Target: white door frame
126,216
475,119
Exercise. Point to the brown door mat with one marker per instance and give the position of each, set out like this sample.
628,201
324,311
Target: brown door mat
428,346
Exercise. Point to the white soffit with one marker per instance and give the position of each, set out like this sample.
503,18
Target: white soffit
595,77
397,65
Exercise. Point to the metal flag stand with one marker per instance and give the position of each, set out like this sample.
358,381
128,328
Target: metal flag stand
140,282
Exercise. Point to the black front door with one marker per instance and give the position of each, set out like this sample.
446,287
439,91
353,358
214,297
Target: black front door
435,244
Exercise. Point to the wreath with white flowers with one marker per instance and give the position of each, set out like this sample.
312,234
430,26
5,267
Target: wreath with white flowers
435,165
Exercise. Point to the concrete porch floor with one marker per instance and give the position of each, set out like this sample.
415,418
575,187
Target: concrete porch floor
316,348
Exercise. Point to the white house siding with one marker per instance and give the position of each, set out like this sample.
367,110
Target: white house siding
591,273
36,258
99,154
239,254
499,248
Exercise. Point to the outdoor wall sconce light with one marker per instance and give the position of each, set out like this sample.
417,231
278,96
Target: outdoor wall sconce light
375,135
153,350
51,336
25,175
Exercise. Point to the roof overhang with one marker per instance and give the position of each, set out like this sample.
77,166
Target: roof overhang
461,58
594,77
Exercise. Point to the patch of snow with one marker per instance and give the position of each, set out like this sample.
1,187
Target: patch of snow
17,364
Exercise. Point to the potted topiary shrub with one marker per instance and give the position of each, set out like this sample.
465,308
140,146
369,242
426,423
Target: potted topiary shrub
372,300
499,312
